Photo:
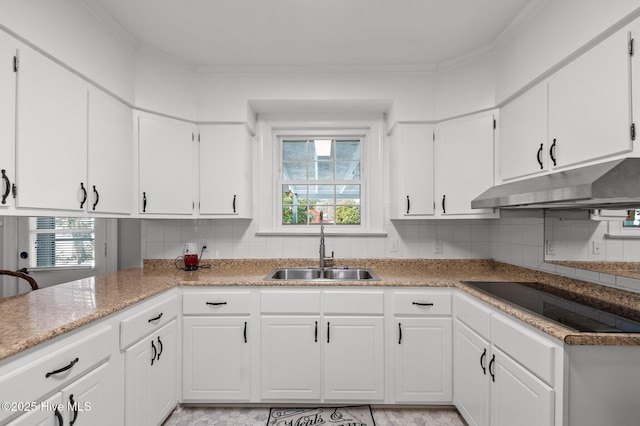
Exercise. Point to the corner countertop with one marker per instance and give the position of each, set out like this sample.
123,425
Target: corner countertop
32,318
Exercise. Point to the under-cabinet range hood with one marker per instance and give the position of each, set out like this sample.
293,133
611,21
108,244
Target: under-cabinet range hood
611,185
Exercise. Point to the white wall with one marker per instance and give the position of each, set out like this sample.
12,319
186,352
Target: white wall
553,31
70,32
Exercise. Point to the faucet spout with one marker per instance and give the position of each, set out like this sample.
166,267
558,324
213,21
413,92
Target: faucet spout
323,257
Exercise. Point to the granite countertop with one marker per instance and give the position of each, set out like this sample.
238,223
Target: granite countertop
35,317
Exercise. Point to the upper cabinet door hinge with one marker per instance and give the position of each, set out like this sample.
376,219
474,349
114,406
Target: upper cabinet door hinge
631,47
633,131
16,63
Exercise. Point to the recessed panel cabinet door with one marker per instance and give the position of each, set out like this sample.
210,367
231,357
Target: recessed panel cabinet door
110,154
290,358
166,172
518,397
217,359
51,149
590,105
423,359
7,120
354,358
471,380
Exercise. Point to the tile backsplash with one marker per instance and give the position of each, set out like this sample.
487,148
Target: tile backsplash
514,239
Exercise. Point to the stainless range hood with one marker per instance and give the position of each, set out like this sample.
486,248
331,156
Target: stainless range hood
610,185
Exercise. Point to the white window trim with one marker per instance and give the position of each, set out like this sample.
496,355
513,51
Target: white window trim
268,176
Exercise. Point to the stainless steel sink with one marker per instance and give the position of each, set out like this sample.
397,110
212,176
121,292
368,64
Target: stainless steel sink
317,274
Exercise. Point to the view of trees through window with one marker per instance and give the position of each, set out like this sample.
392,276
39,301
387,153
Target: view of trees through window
321,175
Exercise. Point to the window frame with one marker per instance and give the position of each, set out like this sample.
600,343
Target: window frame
269,176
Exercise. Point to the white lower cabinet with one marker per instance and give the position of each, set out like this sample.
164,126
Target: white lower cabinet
422,347
150,377
354,358
290,367
76,378
217,359
150,343
217,345
505,377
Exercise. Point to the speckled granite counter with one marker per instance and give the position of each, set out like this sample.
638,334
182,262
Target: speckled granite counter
32,318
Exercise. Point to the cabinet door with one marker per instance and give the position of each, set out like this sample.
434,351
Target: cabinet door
226,160
518,397
46,413
216,359
412,171
7,120
290,357
163,383
89,401
471,379
166,172
590,105
151,377
523,135
51,149
423,360
463,146
354,358
110,155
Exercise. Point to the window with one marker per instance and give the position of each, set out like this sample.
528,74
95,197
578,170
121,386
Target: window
60,242
632,219
321,177
331,166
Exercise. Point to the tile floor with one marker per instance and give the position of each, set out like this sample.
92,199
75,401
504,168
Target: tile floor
257,416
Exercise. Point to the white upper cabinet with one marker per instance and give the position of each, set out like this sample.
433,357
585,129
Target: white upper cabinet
51,149
166,166
464,164
523,135
110,155
590,105
7,120
580,114
411,167
226,160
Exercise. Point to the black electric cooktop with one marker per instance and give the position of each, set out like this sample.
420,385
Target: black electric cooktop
569,313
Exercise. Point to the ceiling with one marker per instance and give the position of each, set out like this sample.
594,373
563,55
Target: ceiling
312,33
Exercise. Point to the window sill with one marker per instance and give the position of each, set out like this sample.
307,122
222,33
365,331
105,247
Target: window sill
306,233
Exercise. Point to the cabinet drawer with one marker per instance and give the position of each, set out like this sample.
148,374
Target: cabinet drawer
290,302
147,318
211,302
353,302
55,365
473,314
533,352
421,303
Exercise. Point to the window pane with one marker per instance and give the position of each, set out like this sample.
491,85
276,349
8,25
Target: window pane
295,214
347,213
294,170
322,149
294,150
348,170
347,150
324,170
349,193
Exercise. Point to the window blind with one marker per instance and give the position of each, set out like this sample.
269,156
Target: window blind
62,242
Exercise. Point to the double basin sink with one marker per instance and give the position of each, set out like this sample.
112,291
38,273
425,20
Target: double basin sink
317,274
